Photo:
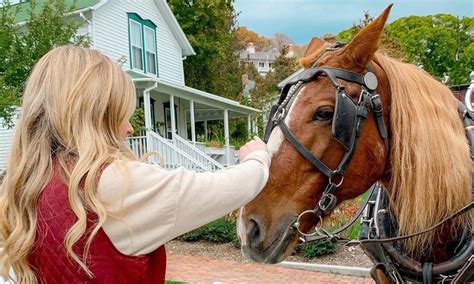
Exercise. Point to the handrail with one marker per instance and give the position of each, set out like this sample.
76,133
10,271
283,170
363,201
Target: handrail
174,156
193,151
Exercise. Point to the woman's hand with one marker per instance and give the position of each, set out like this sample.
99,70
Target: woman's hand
253,145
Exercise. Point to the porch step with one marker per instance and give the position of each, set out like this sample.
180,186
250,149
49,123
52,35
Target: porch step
176,153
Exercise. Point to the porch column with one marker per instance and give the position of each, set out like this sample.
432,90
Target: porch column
147,111
253,127
173,117
226,136
256,126
249,126
205,131
193,124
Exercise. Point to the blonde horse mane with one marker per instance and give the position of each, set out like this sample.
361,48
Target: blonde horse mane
431,165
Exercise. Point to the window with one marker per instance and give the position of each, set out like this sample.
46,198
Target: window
136,45
270,65
142,35
261,64
150,50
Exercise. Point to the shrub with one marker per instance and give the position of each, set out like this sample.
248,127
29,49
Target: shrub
220,231
318,248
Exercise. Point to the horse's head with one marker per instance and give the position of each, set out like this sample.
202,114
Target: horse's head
295,185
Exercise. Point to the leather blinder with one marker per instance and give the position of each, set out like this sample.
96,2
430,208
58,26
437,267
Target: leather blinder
345,116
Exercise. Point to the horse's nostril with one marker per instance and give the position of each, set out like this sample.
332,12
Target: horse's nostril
254,233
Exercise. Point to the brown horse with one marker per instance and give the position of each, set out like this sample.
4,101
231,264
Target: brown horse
426,171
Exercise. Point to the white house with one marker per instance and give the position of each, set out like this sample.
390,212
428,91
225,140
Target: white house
263,60
145,37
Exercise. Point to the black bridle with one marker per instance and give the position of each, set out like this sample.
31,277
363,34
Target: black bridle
348,120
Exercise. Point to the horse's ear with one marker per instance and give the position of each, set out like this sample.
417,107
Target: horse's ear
314,45
361,49
314,49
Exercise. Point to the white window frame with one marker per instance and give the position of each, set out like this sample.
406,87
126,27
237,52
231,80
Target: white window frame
141,47
154,51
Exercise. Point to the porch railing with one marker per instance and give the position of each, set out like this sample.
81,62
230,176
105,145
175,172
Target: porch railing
173,156
137,144
196,153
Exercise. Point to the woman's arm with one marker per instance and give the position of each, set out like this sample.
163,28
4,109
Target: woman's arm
158,205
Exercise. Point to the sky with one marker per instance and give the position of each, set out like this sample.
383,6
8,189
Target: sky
302,19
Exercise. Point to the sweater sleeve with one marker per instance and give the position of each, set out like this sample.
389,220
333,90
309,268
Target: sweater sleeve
148,206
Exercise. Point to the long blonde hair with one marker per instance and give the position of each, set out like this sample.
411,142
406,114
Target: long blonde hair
431,165
73,105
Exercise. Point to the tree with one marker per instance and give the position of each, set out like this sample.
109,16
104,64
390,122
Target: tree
210,27
266,88
245,36
284,65
21,46
443,45
280,41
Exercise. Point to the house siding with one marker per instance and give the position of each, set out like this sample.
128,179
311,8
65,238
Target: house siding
6,138
110,32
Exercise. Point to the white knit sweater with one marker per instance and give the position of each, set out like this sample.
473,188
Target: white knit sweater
158,205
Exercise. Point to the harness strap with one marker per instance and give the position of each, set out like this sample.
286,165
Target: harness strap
463,210
343,74
270,125
303,151
427,273
466,273
378,112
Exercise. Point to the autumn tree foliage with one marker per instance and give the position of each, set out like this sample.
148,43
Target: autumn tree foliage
245,36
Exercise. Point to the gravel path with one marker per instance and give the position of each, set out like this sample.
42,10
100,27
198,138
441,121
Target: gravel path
353,256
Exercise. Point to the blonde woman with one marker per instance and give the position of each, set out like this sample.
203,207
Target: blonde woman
77,206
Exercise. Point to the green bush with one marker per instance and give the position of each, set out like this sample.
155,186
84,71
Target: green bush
224,231
318,248
220,231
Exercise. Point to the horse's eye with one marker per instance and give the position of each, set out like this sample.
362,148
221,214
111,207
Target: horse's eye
323,113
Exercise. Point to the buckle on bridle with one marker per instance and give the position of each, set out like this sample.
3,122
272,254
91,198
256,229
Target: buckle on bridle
281,113
327,202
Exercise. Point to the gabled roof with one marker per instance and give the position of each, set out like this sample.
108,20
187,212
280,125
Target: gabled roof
81,5
23,13
259,55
